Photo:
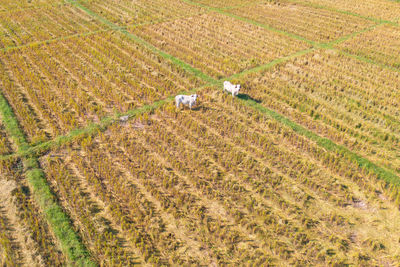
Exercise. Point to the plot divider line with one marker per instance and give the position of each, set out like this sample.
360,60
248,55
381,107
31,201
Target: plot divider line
262,25
84,34
342,39
365,59
60,223
362,161
344,12
382,173
139,40
109,120
115,27
328,45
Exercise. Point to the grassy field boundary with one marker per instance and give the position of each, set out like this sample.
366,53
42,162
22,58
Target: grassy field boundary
342,39
262,25
105,122
326,143
93,14
84,34
149,46
93,128
11,125
271,64
366,60
326,45
59,222
313,5
60,140
173,59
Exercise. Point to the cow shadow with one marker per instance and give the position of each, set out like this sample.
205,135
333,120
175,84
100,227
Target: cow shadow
197,108
202,108
247,97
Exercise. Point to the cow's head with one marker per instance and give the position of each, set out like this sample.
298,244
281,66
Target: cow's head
237,88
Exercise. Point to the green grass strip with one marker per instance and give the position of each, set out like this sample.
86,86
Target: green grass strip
318,6
149,46
77,35
93,14
93,128
60,223
321,141
264,26
326,143
366,60
175,60
58,220
349,36
271,64
11,125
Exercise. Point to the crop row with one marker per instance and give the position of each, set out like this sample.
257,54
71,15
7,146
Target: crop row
98,233
180,203
139,219
381,45
255,213
23,27
348,101
376,9
38,228
187,162
8,253
314,24
125,12
5,144
22,225
173,198
188,195
217,44
52,93
245,171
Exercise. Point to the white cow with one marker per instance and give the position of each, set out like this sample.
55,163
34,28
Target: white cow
231,88
185,100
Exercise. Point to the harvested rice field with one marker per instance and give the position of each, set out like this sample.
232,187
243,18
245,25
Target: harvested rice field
120,145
